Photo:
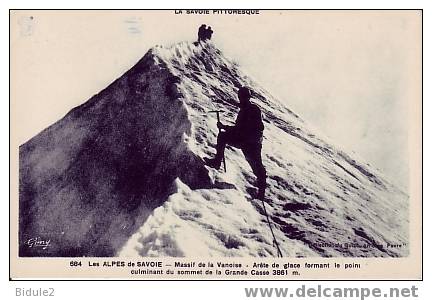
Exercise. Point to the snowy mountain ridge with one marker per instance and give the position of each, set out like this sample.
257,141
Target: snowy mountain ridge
134,152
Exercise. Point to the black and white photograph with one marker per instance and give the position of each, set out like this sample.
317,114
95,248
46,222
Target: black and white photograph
232,134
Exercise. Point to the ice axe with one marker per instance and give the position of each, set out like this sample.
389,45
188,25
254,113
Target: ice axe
218,119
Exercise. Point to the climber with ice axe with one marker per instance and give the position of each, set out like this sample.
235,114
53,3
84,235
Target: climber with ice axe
246,135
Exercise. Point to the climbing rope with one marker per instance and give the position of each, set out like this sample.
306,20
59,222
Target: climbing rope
275,242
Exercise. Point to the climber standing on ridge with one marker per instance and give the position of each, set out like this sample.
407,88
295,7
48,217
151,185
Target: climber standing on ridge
208,33
204,33
201,32
246,135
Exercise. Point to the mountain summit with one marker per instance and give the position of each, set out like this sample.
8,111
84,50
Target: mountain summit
123,175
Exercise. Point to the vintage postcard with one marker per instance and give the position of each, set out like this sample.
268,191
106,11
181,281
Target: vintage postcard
216,144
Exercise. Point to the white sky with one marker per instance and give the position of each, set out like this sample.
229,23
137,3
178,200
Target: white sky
353,75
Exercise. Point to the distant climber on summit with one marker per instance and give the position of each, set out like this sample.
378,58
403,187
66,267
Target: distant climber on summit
204,33
208,33
201,32
246,135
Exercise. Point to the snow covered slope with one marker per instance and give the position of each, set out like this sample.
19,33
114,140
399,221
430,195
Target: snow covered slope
123,174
